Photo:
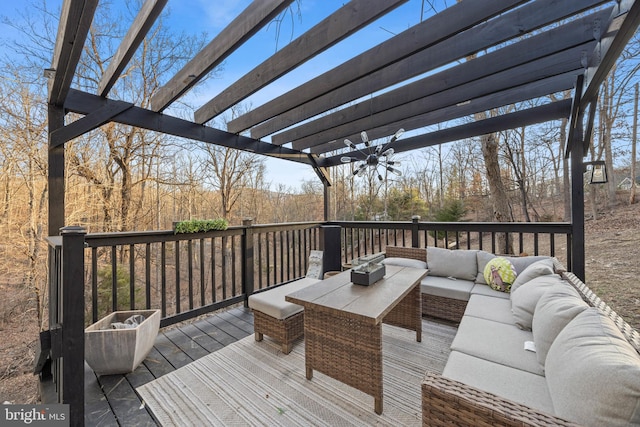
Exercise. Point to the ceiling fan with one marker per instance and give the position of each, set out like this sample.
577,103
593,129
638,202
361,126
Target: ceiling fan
375,156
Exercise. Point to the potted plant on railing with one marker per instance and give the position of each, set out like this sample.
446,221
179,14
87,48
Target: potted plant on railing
199,225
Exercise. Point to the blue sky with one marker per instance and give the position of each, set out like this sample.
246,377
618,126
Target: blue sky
198,16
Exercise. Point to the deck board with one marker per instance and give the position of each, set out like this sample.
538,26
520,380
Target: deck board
111,400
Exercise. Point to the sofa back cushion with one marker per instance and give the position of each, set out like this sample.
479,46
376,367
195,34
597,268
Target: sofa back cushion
593,373
542,267
526,297
405,262
460,264
556,308
482,259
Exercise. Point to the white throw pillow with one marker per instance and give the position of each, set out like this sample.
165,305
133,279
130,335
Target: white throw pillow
593,373
461,263
405,262
539,268
524,300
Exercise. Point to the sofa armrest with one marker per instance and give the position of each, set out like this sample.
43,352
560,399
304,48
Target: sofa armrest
447,402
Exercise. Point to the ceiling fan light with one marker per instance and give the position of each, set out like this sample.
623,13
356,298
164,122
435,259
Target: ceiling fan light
393,170
388,152
365,138
349,143
346,159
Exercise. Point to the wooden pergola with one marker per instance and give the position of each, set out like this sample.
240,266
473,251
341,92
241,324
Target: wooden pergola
475,56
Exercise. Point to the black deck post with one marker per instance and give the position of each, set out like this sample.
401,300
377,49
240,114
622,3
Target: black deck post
247,259
72,320
415,235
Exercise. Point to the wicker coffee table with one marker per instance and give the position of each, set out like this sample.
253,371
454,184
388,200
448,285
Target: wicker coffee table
343,325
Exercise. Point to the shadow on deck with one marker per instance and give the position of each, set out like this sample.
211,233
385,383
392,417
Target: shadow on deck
111,400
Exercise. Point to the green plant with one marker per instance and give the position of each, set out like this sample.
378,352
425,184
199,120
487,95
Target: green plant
200,225
452,211
105,290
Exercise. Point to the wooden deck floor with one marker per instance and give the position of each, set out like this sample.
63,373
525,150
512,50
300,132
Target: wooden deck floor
111,400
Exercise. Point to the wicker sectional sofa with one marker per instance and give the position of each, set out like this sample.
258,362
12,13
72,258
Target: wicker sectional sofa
550,352
454,276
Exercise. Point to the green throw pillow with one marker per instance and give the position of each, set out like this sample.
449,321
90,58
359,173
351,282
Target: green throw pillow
499,274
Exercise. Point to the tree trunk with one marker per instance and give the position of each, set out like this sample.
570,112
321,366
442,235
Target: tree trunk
634,141
498,194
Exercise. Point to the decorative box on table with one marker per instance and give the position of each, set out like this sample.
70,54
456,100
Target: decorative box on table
367,274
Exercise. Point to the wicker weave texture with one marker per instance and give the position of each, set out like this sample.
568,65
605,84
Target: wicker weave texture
346,349
408,314
284,331
406,252
443,308
447,402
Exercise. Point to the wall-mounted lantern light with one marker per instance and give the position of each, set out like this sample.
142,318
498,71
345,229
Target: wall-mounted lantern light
598,172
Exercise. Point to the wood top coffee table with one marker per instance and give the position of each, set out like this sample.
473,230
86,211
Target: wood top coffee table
343,324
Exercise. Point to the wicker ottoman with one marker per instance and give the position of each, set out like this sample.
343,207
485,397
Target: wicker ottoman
276,318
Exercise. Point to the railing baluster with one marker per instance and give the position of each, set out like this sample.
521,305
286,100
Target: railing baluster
163,281
94,284
214,291
132,277
190,271
147,276
233,266
114,279
203,300
177,275
223,265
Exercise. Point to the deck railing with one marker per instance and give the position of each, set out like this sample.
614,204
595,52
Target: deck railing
187,275
540,238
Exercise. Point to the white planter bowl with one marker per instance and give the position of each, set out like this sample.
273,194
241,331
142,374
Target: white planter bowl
120,351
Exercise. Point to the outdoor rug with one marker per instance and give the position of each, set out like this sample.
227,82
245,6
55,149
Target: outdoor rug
251,383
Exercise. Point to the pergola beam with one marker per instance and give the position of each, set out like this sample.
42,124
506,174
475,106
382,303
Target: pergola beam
88,123
481,37
141,25
390,109
86,103
75,21
544,113
623,24
344,22
441,26
494,100
250,21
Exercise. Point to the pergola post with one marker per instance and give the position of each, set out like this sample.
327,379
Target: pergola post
576,147
56,172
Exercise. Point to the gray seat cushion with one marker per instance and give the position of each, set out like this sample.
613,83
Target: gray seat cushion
490,308
496,342
483,289
272,302
513,384
445,287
